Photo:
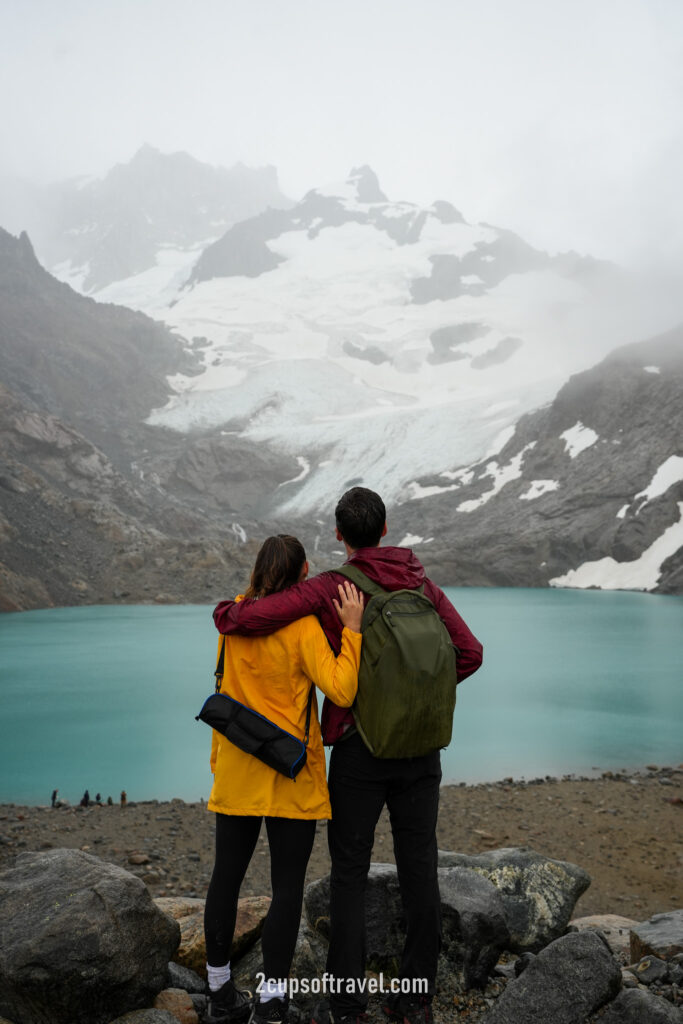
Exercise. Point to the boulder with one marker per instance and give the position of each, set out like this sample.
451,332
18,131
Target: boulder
635,1006
539,894
474,926
384,928
178,1003
189,913
569,980
81,941
616,930
661,935
475,932
182,977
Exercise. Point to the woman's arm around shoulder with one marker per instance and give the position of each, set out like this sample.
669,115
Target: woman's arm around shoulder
336,677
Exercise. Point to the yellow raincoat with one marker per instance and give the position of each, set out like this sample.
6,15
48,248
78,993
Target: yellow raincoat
273,675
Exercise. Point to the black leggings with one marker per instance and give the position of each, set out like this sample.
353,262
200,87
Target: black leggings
290,841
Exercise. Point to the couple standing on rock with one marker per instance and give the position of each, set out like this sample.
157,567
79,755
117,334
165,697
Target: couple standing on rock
278,643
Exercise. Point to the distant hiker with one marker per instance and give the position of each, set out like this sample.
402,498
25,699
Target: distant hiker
98,799
54,797
362,783
85,799
110,802
124,798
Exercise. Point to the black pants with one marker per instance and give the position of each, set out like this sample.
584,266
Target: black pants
360,785
290,841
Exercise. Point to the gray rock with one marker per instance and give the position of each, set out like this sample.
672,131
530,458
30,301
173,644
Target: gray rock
661,935
634,1006
650,969
568,980
474,926
80,940
385,933
615,928
475,932
539,894
183,977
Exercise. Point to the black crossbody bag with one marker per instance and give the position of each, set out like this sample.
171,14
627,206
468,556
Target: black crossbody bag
251,731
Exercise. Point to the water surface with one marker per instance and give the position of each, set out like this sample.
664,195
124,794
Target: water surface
104,698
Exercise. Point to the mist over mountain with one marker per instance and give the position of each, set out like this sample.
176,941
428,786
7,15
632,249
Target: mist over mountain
98,231
343,339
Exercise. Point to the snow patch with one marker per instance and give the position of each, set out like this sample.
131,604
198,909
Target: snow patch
411,539
239,532
577,439
501,475
641,574
415,490
539,487
305,470
623,510
652,369
669,473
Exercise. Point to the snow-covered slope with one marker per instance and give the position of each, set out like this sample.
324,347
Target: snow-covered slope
587,492
377,340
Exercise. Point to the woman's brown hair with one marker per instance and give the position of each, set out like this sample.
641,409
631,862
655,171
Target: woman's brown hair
278,565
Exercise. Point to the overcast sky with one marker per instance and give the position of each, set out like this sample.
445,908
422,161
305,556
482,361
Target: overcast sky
561,119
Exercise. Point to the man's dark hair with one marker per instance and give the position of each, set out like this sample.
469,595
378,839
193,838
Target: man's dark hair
360,516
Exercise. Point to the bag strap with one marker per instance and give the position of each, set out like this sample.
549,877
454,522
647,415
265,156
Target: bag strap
220,667
364,582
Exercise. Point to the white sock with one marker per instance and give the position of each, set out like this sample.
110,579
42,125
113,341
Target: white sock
273,990
218,976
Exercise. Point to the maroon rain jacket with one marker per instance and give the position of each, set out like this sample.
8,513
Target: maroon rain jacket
393,569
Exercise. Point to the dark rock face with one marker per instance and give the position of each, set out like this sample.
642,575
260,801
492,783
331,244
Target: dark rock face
561,507
568,980
112,500
633,1006
538,894
80,940
475,931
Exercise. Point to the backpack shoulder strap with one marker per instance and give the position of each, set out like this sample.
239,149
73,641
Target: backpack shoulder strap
221,663
362,581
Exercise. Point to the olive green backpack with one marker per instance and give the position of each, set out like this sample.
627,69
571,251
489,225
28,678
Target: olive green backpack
407,679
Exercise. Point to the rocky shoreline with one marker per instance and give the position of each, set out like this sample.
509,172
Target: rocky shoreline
622,828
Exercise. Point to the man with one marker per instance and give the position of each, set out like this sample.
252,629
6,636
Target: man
361,784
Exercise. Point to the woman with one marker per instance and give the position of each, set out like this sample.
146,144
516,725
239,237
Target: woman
273,675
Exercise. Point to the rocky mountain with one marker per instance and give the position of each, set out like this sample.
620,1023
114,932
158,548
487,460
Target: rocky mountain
347,339
585,492
155,207
374,339
80,522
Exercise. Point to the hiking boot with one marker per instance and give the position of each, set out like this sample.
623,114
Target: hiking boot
408,1009
273,1011
229,1005
322,1014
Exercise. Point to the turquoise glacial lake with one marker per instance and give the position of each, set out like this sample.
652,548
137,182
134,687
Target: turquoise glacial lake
104,698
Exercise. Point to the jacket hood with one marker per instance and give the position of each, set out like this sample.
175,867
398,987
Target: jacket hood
393,568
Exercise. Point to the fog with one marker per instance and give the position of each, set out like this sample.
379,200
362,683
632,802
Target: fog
558,120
